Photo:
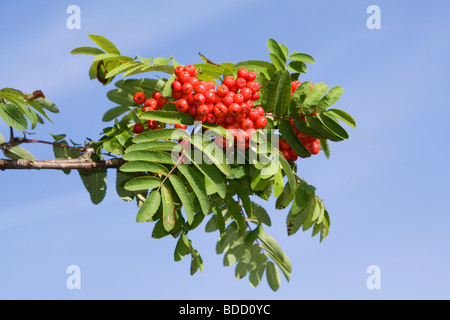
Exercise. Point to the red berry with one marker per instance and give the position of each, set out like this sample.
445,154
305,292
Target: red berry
283,144
139,98
148,109
220,110
151,103
202,110
247,93
184,76
254,115
211,118
229,81
229,119
238,98
240,117
295,84
200,88
286,154
176,86
220,120
199,99
222,90
251,76
260,110
178,70
228,100
254,86
255,96
210,96
156,95
261,122
187,88
247,124
180,126
182,105
240,83
190,69
314,148
211,85
152,124
234,109
242,73
138,128
162,101
194,81
192,110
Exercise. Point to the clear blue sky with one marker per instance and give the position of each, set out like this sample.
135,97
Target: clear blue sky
385,188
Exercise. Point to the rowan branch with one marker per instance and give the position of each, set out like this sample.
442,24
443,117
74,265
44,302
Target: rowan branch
60,164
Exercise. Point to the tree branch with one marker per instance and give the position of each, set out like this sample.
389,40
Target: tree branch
60,164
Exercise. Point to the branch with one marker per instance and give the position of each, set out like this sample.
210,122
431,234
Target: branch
60,164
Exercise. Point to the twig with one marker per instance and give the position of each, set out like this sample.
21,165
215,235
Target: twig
207,60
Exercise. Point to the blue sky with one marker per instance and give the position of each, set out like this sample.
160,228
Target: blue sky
385,187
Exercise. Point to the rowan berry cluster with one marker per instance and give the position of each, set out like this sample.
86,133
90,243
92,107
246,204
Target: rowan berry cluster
156,102
310,143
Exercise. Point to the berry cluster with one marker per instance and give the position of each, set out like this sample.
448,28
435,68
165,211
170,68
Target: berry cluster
230,105
156,102
310,143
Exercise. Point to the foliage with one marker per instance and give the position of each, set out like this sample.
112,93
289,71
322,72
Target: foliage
177,191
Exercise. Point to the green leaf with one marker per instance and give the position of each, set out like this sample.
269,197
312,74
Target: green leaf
313,98
155,146
113,146
332,125
257,273
297,66
244,195
183,194
273,277
278,184
330,98
302,126
163,134
260,214
166,92
120,69
104,43
325,147
230,235
274,251
276,50
277,62
47,104
149,207
121,97
256,65
296,219
283,94
168,117
87,50
235,211
254,234
320,128
269,98
182,248
95,182
121,179
144,166
289,135
142,183
153,156
344,116
13,117
17,152
197,186
303,57
303,194
169,214
286,169
285,197
112,57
